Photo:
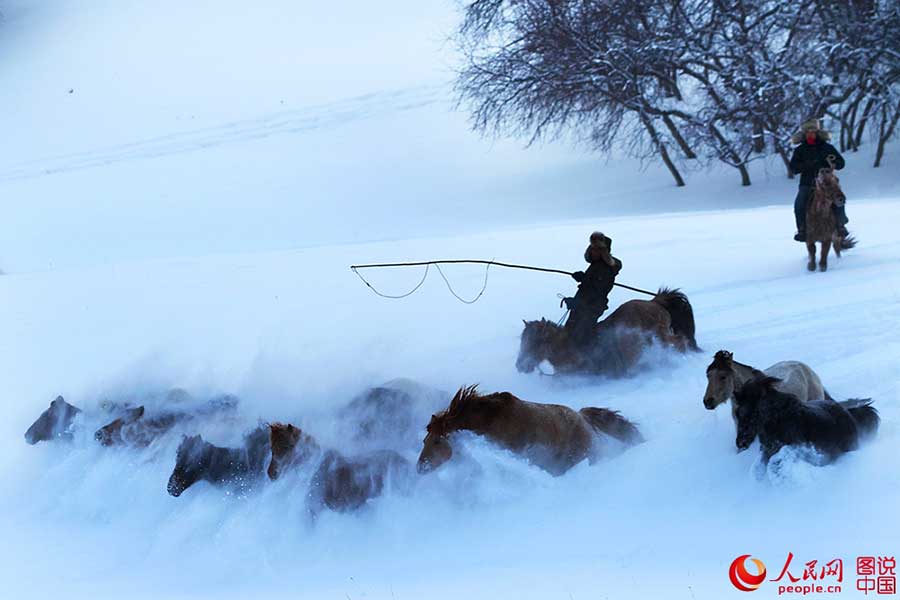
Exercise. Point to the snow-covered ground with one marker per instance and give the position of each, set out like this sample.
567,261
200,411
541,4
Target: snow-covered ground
147,249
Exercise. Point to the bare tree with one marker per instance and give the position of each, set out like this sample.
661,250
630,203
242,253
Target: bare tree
682,80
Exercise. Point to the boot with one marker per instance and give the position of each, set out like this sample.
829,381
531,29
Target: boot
800,236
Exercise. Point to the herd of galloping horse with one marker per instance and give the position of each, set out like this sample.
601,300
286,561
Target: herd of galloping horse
783,405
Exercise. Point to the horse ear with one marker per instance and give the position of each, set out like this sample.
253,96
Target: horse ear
525,322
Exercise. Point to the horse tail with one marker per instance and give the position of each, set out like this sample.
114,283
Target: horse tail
864,414
848,242
681,313
613,424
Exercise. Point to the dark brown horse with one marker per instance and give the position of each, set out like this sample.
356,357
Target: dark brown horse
552,437
620,341
340,483
821,225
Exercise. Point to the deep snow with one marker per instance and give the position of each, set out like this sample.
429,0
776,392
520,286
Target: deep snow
212,253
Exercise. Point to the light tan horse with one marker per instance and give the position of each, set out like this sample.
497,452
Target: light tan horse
726,376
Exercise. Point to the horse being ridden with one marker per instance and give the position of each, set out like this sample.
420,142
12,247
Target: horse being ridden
813,152
821,223
618,341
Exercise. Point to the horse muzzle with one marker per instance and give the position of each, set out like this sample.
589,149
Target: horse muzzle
176,486
526,365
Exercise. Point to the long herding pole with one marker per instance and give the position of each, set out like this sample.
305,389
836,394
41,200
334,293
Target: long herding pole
485,262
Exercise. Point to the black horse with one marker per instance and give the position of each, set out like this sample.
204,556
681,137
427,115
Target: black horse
782,419
198,460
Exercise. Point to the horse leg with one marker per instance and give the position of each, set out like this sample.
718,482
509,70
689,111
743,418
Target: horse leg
826,248
811,249
836,242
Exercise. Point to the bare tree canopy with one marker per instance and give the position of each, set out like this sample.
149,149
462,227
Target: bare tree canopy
683,80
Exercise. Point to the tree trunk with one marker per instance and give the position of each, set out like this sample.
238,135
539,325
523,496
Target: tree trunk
867,112
759,140
745,174
736,161
851,124
679,139
886,132
663,151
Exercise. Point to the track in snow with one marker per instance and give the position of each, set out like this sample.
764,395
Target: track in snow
289,122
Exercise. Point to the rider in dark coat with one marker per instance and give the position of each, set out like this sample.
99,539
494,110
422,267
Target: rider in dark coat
811,155
594,284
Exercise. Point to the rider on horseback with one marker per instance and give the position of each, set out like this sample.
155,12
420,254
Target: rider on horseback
594,284
813,153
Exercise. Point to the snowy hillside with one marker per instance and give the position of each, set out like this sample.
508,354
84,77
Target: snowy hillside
186,217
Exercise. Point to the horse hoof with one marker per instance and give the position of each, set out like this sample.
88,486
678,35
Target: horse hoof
811,266
823,268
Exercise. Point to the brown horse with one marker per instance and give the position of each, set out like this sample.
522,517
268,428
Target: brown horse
621,337
552,437
340,483
821,225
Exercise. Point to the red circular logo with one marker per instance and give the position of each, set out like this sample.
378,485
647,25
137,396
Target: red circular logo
743,579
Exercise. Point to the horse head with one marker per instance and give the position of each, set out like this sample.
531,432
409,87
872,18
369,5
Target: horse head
829,186
749,400
536,344
111,434
289,446
436,449
719,380
191,464
54,423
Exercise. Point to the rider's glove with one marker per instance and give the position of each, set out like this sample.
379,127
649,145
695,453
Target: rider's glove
578,276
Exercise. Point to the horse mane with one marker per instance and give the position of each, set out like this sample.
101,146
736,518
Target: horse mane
543,324
466,398
280,437
760,386
439,423
722,361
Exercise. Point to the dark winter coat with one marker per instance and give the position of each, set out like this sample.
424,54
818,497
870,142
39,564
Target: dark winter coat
592,299
809,158
595,285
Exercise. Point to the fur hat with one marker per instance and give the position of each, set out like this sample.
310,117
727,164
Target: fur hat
602,242
810,125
